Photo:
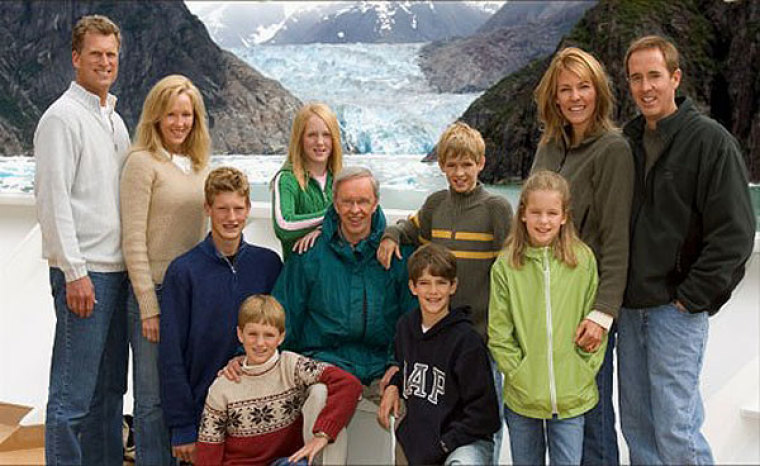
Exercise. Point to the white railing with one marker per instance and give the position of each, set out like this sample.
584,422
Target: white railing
730,380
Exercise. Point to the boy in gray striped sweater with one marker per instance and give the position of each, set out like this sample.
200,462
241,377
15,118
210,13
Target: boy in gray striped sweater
466,219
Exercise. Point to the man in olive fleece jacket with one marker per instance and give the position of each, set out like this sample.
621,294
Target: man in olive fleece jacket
692,231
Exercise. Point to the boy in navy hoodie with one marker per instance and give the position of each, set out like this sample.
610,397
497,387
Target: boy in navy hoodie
445,374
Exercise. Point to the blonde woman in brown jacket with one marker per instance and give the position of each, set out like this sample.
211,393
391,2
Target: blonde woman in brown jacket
581,142
162,217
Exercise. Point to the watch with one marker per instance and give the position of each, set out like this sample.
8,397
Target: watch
323,435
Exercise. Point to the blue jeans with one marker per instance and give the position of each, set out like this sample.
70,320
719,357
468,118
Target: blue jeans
88,375
528,438
285,462
478,452
152,445
660,353
600,445
498,380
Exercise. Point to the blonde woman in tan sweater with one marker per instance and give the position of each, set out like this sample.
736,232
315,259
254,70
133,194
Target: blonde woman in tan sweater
162,217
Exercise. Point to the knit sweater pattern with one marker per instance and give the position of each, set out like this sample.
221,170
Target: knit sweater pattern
473,226
600,172
201,296
259,419
162,217
79,156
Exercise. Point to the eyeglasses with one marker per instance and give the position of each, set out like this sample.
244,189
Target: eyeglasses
363,203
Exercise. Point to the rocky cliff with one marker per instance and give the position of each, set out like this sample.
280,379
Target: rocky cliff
248,113
720,58
514,36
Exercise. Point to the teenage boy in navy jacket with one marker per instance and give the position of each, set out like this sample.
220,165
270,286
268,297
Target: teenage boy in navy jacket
202,292
445,374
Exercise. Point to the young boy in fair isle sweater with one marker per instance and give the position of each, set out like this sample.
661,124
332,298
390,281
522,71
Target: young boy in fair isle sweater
445,377
258,420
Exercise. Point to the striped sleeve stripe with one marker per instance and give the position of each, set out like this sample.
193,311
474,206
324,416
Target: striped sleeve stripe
476,254
462,235
280,219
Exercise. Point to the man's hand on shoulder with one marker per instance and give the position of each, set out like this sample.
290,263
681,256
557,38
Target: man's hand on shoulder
80,296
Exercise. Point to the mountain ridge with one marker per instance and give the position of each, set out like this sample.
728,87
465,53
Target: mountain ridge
719,43
247,112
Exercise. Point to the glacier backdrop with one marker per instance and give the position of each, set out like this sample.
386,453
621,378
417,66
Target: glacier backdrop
383,103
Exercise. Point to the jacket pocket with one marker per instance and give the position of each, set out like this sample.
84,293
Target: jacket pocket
576,381
528,386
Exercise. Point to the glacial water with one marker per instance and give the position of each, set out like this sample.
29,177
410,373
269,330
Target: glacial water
387,112
383,103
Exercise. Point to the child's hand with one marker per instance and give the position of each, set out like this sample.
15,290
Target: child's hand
233,370
310,450
387,378
385,252
388,404
184,452
307,241
589,335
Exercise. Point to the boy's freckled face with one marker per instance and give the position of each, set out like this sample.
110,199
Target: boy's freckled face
434,293
462,172
260,341
228,215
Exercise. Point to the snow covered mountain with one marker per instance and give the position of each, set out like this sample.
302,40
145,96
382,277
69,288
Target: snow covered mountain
242,24
382,22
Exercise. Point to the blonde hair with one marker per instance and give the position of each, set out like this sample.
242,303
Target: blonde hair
226,180
585,66
261,309
460,140
296,154
148,135
97,24
668,50
518,240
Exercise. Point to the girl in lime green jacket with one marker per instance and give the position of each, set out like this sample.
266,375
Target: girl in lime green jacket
542,287
302,188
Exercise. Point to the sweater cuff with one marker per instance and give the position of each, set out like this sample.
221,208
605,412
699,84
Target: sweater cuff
184,434
74,272
598,317
391,233
148,303
329,427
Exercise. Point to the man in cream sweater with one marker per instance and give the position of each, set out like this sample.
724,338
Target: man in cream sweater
80,146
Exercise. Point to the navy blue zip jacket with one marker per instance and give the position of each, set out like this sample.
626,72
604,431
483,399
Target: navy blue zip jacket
201,295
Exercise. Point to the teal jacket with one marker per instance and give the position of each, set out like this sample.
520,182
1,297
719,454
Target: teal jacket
341,305
296,211
545,373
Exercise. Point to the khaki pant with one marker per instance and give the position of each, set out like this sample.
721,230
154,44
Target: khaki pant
335,453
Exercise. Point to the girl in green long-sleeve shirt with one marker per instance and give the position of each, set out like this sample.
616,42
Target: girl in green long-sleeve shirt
302,188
